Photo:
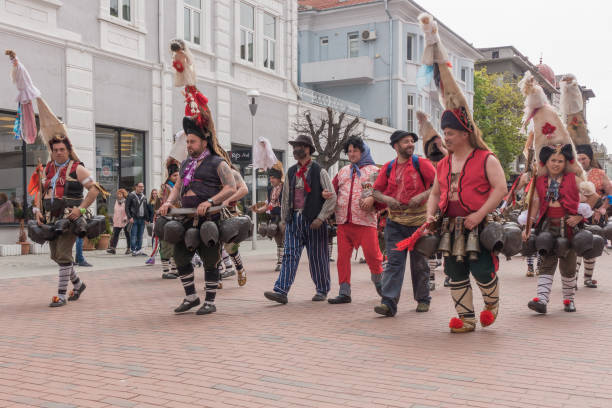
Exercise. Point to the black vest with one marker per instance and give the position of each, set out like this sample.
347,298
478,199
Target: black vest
206,182
313,200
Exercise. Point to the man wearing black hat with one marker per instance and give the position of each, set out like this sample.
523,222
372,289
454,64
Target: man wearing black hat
403,185
305,211
470,184
205,180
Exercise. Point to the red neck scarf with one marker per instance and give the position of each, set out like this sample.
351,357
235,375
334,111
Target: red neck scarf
302,174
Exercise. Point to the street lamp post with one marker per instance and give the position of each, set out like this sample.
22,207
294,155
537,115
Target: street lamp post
253,94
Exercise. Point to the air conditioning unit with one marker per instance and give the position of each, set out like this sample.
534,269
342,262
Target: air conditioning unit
382,121
368,35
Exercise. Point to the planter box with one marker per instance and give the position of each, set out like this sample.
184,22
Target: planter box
40,249
10,250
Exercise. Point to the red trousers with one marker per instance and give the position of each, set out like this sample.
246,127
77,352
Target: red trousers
354,236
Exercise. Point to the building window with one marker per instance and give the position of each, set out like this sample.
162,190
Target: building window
410,47
323,48
18,162
463,74
353,45
269,41
121,9
247,32
192,21
410,113
119,161
495,54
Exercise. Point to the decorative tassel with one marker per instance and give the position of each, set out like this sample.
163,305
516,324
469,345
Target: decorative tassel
455,323
486,318
411,241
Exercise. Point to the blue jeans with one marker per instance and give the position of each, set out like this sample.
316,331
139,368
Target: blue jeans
136,234
79,250
393,275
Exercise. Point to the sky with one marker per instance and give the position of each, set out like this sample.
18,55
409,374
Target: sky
571,36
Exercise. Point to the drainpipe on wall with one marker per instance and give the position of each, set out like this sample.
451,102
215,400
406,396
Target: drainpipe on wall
390,60
162,84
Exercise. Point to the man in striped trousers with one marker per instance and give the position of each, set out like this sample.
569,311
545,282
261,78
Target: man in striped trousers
304,211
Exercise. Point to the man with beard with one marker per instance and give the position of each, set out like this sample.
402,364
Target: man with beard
470,184
65,177
403,185
205,180
305,211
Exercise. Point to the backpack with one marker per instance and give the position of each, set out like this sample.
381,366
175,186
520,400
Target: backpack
415,164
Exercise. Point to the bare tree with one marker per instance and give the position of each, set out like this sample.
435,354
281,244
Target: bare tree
328,133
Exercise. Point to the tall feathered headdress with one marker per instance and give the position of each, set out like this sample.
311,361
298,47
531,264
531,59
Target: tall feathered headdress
548,128
572,108
428,134
196,104
435,61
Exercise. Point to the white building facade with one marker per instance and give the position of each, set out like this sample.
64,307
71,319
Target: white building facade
104,67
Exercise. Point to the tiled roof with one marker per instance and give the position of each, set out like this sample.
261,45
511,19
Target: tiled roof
328,4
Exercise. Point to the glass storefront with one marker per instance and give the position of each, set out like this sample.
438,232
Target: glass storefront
120,161
18,162
241,159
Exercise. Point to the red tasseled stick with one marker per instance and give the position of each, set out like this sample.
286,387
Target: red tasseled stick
411,241
455,323
486,318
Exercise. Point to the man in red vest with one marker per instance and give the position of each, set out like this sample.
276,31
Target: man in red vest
62,197
470,183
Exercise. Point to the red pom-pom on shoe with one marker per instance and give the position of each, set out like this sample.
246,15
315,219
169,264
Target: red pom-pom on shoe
486,318
455,323
566,301
536,299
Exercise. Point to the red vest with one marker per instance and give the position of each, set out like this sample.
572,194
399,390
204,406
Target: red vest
474,186
569,197
60,186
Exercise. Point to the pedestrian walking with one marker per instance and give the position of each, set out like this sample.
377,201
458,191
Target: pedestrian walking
120,222
356,216
304,212
137,210
403,185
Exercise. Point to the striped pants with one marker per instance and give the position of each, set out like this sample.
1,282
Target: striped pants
297,236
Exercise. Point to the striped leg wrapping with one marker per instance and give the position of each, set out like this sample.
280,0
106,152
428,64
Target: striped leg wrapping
490,292
226,259
64,278
279,254
237,261
569,287
74,278
461,292
589,267
545,286
165,266
187,280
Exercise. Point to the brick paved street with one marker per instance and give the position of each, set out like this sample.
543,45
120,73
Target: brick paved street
122,346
